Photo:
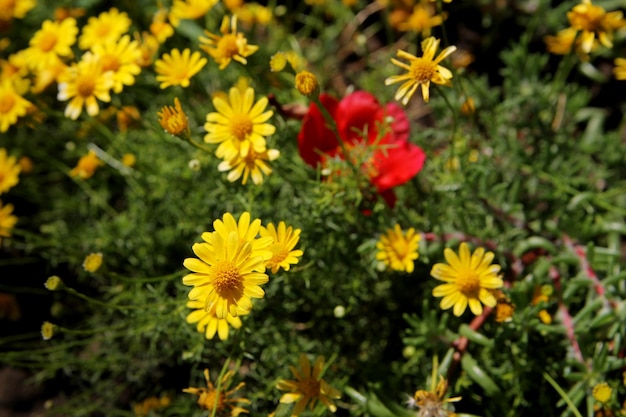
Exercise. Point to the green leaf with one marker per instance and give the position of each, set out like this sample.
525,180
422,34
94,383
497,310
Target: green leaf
478,375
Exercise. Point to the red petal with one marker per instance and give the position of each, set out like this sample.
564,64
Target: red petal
397,165
355,112
314,137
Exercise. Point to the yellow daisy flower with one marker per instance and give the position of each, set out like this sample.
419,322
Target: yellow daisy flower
468,280
223,400
231,45
92,262
284,240
7,220
421,71
189,9
308,387
619,70
209,324
53,40
9,171
107,27
15,9
398,249
120,57
252,165
85,83
422,20
86,166
148,46
226,276
594,22
177,68
239,124
602,392
174,120
306,83
12,106
253,13
159,27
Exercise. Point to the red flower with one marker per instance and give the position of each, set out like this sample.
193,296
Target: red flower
392,159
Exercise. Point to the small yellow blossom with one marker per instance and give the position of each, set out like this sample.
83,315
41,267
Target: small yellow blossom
62,13
505,308
542,295
308,387
47,330
398,249
86,166
253,13
285,240
92,262
602,392
278,62
26,164
148,47
144,408
422,20
52,41
306,83
159,26
108,26
127,117
468,107
231,45
223,401
128,160
84,84
209,324
189,9
17,9
174,120
253,165
620,69
9,171
469,279
53,283
12,107
177,68
421,71
7,220
432,403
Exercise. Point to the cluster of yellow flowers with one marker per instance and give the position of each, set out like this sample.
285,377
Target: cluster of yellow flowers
9,177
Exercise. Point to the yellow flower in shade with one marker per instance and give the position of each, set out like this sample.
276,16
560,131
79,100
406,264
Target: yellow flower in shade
148,46
54,283
542,295
86,166
253,13
602,392
177,69
10,9
229,271
127,117
306,83
53,40
12,106
9,171
468,280
92,262
594,22
398,249
120,57
7,220
128,160
239,124
619,70
285,240
144,408
159,26
421,70
252,165
223,401
47,330
26,164
422,20
108,26
505,308
230,45
209,324
62,13
85,83
308,387
174,120
431,403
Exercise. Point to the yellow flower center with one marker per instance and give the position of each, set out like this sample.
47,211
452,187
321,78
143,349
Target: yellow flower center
227,45
422,70
309,387
587,18
208,400
85,85
7,101
48,41
240,126
226,278
468,283
110,63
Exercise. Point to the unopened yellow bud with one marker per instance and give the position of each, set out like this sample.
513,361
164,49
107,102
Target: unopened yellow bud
47,330
602,392
306,83
53,283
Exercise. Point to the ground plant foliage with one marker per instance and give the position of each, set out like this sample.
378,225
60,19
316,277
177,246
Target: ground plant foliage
360,208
